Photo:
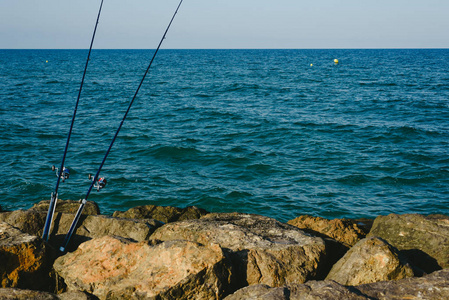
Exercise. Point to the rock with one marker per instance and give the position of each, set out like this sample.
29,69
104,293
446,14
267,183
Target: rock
31,222
260,291
25,260
115,268
370,260
68,206
424,239
434,286
344,231
262,249
430,287
338,234
92,226
19,294
311,290
164,214
76,295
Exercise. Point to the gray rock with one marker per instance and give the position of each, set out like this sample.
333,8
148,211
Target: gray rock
68,206
430,287
76,295
311,290
424,239
31,222
19,294
434,286
370,260
260,291
112,268
262,249
99,226
164,214
89,226
25,260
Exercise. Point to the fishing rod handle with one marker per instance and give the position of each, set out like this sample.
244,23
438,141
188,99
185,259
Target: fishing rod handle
50,214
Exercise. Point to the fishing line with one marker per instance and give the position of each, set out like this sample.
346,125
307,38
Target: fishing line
84,201
54,195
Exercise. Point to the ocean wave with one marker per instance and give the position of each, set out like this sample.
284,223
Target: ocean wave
174,152
225,132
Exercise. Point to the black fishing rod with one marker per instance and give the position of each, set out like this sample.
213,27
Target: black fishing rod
84,201
62,173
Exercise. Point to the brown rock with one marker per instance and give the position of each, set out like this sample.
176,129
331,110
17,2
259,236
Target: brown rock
424,239
370,260
68,206
25,261
164,214
344,231
263,250
115,268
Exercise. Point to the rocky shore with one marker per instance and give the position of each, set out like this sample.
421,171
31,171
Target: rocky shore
155,252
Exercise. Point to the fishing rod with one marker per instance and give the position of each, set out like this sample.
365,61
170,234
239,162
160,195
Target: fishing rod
63,172
84,201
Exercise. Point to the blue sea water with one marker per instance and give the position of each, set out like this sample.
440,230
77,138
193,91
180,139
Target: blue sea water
274,132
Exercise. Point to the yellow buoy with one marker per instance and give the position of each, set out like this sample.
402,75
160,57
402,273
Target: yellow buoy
311,65
46,61
336,61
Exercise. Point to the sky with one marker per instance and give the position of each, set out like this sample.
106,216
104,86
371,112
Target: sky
225,24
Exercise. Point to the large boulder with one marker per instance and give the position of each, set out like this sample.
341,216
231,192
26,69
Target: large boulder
434,286
22,294
164,214
424,239
112,268
370,260
311,290
345,231
430,287
25,260
89,226
262,249
68,206
260,291
31,222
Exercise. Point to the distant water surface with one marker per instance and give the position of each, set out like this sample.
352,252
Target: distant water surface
274,132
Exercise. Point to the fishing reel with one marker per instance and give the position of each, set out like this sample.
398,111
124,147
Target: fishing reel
65,174
101,182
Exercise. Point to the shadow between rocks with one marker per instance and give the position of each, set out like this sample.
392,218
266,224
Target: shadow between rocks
422,262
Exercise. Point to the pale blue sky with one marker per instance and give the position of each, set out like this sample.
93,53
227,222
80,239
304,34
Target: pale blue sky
139,24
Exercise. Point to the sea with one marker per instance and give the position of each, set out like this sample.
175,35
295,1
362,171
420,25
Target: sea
280,133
